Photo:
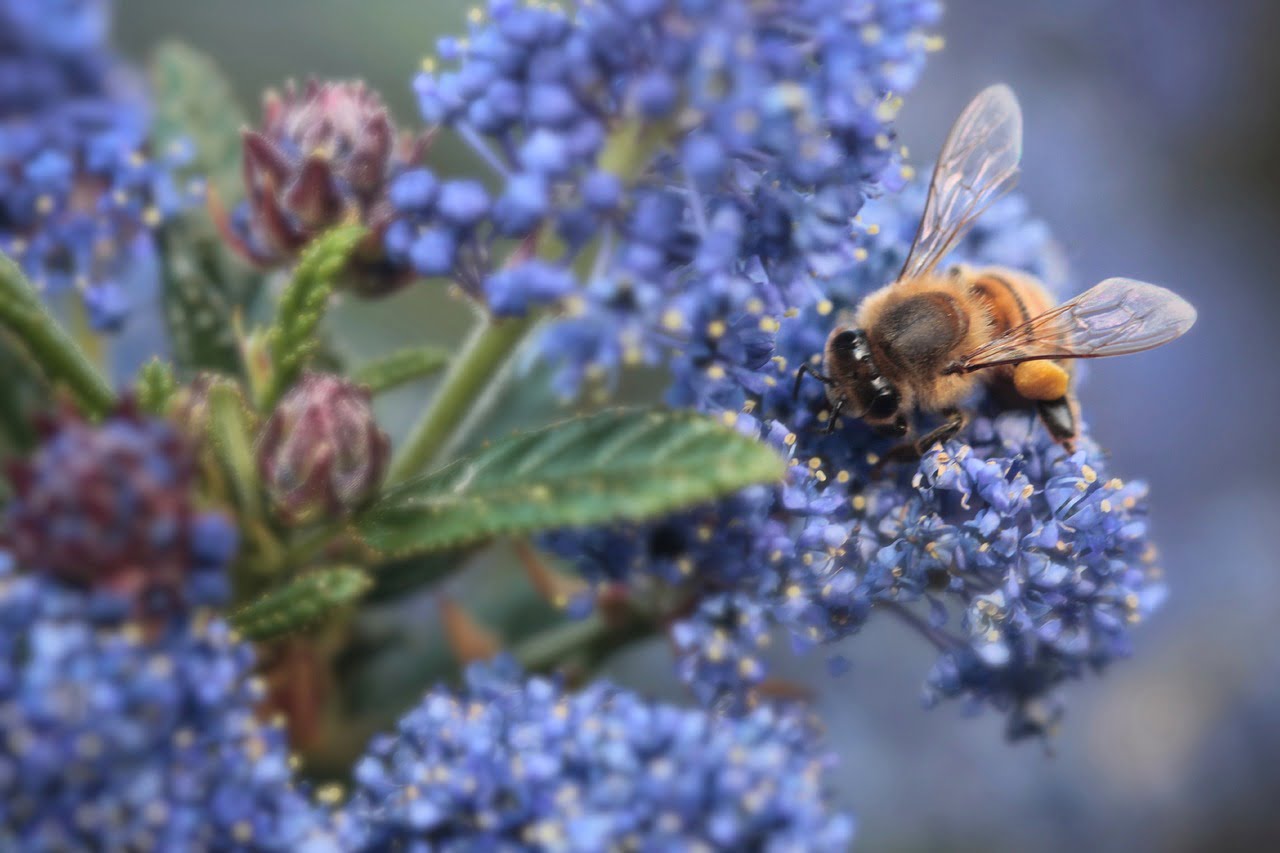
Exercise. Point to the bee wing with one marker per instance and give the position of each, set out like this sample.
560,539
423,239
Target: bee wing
978,164
1117,317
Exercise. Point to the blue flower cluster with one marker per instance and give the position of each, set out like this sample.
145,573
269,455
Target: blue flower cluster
108,507
120,735
1024,565
80,192
521,764
130,727
653,142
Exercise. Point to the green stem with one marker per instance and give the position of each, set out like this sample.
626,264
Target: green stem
582,643
494,341
491,343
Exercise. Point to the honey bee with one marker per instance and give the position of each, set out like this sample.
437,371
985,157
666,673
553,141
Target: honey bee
924,342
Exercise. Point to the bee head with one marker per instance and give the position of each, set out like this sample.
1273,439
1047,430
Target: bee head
868,394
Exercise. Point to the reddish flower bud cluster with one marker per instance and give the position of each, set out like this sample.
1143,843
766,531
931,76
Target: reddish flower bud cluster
324,156
109,507
321,453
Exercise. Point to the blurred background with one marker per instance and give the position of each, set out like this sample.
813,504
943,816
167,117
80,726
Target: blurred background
1151,136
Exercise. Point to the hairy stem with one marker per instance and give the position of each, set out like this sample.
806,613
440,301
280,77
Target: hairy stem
583,644
491,343
494,341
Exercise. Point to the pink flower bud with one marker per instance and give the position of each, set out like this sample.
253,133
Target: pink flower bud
323,156
322,454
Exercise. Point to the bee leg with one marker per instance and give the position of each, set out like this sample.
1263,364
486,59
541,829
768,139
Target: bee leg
1059,418
835,413
956,419
904,452
812,371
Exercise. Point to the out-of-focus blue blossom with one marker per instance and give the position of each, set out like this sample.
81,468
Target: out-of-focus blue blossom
521,764
109,507
676,138
1022,564
119,736
54,26
81,191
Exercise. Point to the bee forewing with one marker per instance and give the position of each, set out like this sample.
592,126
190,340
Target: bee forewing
1116,317
978,164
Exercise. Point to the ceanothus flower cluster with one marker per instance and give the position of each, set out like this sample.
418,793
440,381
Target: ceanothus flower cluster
122,734
645,139
523,764
109,507
80,189
1024,565
132,726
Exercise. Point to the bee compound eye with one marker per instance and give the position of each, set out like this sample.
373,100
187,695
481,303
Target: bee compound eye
883,405
845,340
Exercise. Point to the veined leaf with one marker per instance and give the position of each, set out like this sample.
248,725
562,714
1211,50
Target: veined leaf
400,367
293,339
52,351
616,465
300,602
205,286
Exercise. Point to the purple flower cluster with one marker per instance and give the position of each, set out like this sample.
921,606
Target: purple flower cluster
80,190
1024,565
522,764
119,735
108,507
136,728
652,143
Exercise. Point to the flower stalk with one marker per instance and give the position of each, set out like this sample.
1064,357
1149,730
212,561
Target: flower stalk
494,340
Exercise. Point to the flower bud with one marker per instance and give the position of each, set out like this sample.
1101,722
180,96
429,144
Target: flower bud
321,453
324,156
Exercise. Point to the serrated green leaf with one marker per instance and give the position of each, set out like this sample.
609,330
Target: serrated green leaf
612,466
51,351
230,433
156,386
294,338
400,367
205,286
300,602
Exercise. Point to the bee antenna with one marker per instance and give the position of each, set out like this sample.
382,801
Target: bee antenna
812,371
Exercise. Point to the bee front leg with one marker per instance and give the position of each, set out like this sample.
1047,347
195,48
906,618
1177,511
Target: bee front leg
956,419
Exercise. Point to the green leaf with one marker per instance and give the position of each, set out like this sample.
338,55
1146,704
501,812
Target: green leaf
230,432
156,386
206,288
22,394
300,602
294,338
400,367
52,351
612,466
205,292
194,102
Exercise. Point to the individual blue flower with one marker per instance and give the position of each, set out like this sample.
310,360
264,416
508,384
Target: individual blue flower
518,763
122,735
